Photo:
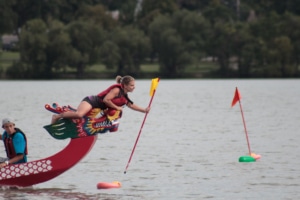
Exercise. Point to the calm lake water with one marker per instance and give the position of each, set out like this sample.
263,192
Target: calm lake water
189,146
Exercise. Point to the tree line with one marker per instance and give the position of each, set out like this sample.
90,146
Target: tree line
246,39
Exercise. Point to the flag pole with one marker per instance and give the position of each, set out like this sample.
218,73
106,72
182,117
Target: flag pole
245,127
152,93
237,98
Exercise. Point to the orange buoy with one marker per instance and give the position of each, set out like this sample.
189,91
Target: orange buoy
255,156
105,185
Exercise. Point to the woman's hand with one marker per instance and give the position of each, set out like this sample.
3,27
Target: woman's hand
119,108
147,109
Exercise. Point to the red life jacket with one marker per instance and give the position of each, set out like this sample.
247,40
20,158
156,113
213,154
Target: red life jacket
119,100
9,146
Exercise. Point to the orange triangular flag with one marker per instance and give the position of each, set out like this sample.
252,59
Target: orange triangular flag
236,98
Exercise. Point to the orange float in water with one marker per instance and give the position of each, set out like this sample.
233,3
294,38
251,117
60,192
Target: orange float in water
255,156
105,185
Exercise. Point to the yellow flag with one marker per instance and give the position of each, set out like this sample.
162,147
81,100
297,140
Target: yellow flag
153,85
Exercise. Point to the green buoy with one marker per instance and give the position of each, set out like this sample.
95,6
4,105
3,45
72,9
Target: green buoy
246,159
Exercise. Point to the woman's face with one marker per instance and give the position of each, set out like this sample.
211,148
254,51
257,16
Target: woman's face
130,87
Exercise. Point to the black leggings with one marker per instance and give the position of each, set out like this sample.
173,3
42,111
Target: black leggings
95,101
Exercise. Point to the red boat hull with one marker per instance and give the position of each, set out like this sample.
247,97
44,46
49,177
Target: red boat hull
38,171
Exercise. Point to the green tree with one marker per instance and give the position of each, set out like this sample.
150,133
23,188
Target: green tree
128,12
222,46
171,49
244,46
173,56
28,10
8,17
98,15
86,39
109,54
33,44
273,62
112,5
264,7
42,47
150,9
281,55
194,30
65,11
218,13
127,48
193,5
58,49
178,40
291,27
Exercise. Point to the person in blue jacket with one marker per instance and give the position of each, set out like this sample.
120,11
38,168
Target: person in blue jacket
15,144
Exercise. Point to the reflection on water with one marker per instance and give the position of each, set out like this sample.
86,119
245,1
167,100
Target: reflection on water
52,193
189,146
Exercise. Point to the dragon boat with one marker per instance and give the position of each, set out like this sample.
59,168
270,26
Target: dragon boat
82,133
